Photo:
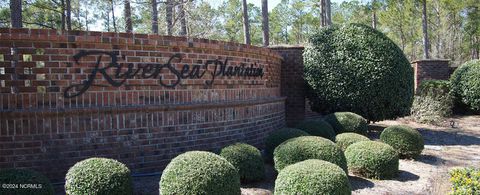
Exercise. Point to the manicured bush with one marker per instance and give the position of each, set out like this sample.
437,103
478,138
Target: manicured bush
11,179
246,159
407,141
347,122
433,102
308,147
465,84
98,176
312,177
465,181
317,128
434,88
344,140
277,137
199,172
358,69
372,159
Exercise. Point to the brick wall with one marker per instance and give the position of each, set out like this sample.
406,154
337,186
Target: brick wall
437,69
293,84
141,122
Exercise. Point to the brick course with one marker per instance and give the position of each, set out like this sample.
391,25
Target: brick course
139,123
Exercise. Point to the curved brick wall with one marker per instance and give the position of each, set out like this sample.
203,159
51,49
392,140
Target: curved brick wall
138,117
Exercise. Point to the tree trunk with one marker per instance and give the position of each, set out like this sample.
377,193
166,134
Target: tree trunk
328,13
169,16
246,26
426,55
374,15
113,17
16,13
127,14
265,27
62,4
154,17
69,15
183,20
323,21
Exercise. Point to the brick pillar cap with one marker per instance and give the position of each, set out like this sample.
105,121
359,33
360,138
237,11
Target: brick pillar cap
430,60
286,46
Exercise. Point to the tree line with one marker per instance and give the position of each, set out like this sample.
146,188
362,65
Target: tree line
448,29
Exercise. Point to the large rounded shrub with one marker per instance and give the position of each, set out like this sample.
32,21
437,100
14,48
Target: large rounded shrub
277,137
312,177
308,147
247,159
317,128
199,172
372,159
407,141
98,176
11,179
358,69
347,122
465,84
344,140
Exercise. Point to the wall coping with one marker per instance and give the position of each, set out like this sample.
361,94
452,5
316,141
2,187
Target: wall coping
38,35
430,60
286,47
136,108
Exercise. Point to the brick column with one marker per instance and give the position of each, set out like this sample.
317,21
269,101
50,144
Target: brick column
437,69
292,82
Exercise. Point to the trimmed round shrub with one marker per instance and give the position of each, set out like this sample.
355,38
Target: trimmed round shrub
247,159
11,179
98,176
347,122
317,128
344,140
407,141
358,69
465,84
199,172
277,137
308,147
372,159
312,177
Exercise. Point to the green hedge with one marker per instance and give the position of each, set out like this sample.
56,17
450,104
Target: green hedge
199,172
277,137
98,176
347,122
344,140
432,102
317,128
372,159
246,159
312,177
11,179
407,141
358,69
308,147
465,84
465,181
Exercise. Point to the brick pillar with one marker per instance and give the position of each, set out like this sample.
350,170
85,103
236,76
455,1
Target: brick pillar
292,82
437,69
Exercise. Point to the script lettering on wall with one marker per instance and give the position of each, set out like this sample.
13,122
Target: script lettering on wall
116,73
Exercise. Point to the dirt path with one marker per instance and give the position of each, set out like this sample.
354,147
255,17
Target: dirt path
445,148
